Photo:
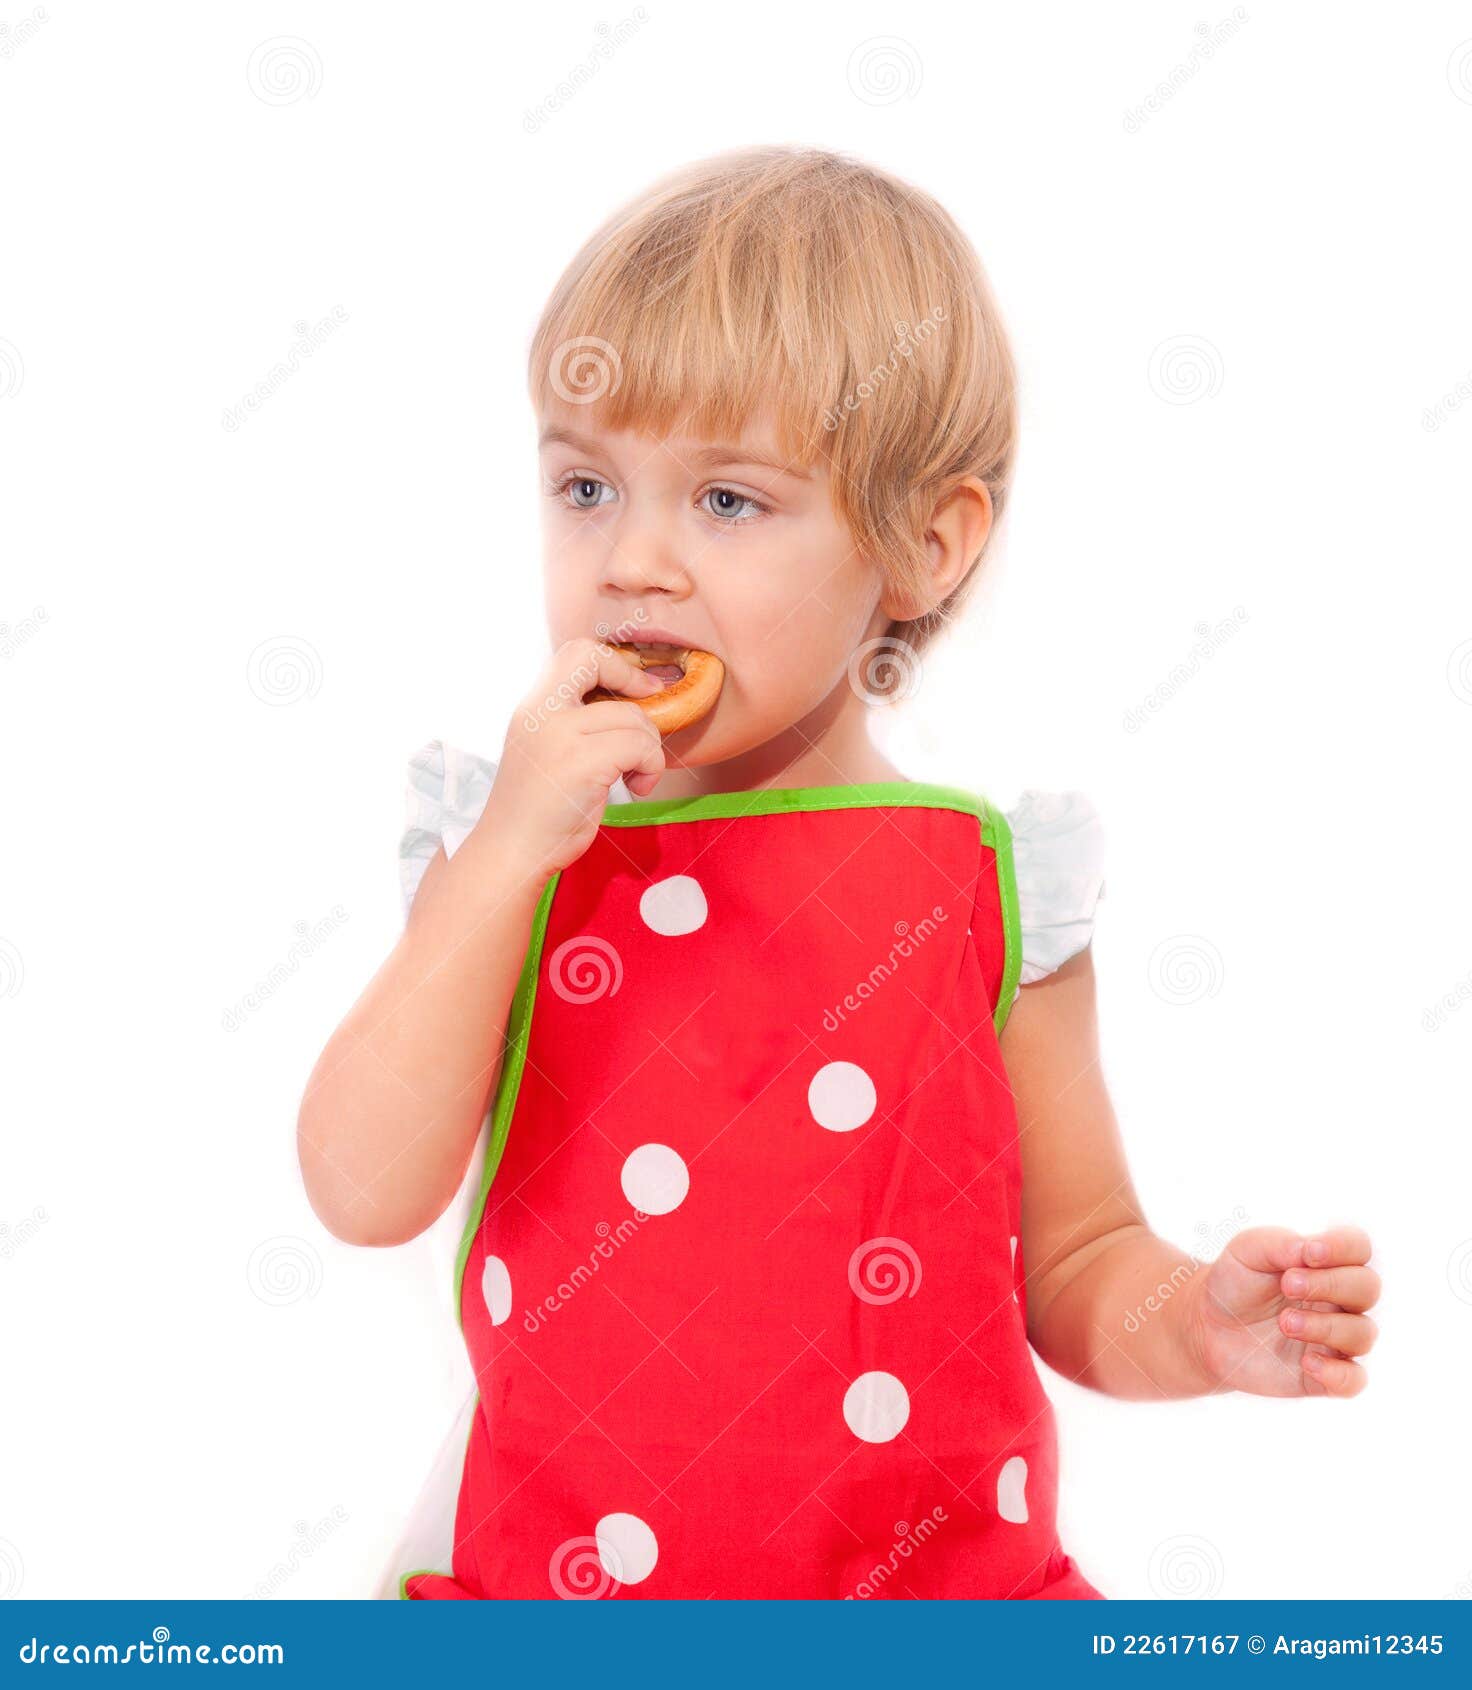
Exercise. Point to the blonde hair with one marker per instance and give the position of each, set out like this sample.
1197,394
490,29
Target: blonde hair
805,282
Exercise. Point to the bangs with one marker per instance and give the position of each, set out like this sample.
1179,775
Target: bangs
694,320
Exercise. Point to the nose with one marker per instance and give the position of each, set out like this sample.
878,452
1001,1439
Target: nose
644,556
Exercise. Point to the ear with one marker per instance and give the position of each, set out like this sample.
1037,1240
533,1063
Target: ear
954,539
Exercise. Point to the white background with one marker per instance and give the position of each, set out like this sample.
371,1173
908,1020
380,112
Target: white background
206,1394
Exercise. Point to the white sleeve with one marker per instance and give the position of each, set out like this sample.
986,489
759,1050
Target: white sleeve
1058,858
446,792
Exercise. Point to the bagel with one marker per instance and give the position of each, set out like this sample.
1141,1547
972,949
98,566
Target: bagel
681,702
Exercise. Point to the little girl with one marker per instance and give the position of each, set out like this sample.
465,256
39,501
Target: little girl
795,1144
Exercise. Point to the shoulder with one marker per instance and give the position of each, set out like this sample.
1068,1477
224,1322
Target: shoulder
1057,848
445,792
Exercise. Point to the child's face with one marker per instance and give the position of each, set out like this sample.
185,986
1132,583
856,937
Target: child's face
708,542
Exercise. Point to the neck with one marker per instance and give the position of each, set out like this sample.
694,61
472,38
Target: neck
830,746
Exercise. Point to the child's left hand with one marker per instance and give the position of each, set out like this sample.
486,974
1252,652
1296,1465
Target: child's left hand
1281,1315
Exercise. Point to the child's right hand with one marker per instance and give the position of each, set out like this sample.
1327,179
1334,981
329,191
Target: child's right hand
561,756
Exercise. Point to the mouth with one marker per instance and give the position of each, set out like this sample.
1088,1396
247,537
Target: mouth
666,662
661,651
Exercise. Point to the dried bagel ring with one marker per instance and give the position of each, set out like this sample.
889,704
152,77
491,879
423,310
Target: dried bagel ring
683,701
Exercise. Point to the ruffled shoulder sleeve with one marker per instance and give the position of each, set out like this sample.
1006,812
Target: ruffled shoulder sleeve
444,797
1058,858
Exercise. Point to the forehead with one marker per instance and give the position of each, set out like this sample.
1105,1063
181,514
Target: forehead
572,427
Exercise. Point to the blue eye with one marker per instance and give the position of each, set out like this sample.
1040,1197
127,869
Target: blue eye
729,497
586,492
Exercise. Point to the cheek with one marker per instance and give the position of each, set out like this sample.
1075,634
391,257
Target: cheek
804,626
569,566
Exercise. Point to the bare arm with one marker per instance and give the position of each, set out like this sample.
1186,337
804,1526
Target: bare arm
1089,1254
395,1102
1113,1306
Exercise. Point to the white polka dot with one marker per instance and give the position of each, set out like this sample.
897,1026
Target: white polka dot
1012,1491
655,1179
841,1097
495,1287
626,1547
674,906
876,1407
1015,1297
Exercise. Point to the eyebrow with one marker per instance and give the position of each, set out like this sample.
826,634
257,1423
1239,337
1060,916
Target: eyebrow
710,457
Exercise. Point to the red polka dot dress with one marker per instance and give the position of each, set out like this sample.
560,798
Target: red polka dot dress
742,1291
